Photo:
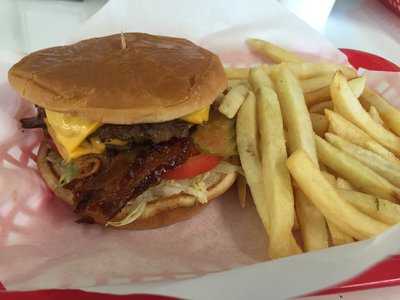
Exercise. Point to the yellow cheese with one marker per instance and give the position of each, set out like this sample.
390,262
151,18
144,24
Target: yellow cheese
68,133
95,146
198,117
115,142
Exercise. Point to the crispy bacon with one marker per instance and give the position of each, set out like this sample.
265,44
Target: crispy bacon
36,121
102,196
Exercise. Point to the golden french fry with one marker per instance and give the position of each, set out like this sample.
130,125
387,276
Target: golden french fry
294,110
343,184
259,78
247,143
271,51
380,209
315,83
348,106
310,220
308,70
320,123
314,97
324,94
355,172
325,196
300,136
277,184
232,101
350,132
234,82
374,114
319,108
329,177
390,114
357,85
372,160
241,185
237,73
338,237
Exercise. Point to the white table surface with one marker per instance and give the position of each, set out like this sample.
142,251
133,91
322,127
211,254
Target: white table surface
358,24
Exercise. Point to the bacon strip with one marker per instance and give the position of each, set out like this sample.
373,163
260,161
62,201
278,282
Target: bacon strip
102,196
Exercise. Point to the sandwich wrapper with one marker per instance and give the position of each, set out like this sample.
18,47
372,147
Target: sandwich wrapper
220,253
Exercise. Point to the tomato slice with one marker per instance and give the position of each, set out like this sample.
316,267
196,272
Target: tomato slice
194,166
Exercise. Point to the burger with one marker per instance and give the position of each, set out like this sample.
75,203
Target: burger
132,136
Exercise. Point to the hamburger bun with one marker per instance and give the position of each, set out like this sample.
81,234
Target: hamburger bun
154,79
158,213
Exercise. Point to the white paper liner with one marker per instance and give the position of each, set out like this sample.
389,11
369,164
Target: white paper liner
41,246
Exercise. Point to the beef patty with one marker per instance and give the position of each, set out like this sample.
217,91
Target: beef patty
136,133
141,133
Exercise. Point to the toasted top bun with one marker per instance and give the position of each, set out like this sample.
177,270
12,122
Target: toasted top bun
159,213
153,79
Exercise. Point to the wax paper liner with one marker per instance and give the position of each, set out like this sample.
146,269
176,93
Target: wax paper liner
42,247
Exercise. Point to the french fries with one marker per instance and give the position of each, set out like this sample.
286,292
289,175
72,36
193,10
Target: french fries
312,224
321,95
232,101
355,172
241,185
357,85
324,94
326,198
380,209
345,173
294,111
316,83
320,123
350,132
319,108
343,184
389,114
337,236
259,78
372,160
237,73
277,183
247,143
300,136
374,114
347,105
272,51
234,82
308,70
331,178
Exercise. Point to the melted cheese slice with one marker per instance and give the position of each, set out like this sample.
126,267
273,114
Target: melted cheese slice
69,132
94,146
198,117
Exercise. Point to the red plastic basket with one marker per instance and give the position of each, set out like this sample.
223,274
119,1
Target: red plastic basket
393,5
385,273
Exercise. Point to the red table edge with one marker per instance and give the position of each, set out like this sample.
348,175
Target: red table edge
387,272
383,274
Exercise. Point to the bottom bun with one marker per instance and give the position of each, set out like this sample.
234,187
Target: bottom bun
158,213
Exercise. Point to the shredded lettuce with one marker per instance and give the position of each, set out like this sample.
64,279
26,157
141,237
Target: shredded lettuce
225,167
135,213
196,186
67,171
